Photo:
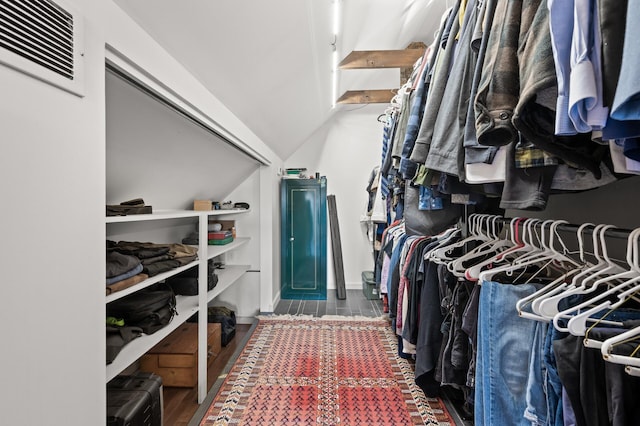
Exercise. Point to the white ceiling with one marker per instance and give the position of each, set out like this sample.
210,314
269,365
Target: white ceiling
270,61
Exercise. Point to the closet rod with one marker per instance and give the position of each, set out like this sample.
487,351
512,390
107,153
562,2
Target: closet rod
616,233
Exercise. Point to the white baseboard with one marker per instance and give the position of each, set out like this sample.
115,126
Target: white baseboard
353,285
276,300
245,320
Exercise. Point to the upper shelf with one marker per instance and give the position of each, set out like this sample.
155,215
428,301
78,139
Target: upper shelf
225,211
171,214
157,215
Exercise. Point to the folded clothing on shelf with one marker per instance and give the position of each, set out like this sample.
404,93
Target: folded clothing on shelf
135,206
221,235
220,242
154,258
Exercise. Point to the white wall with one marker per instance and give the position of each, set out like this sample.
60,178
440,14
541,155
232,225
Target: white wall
270,228
345,150
244,296
53,194
154,153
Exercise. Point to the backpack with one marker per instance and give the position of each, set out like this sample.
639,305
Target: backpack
148,309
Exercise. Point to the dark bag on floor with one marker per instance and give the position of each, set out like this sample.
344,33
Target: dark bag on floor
227,319
149,309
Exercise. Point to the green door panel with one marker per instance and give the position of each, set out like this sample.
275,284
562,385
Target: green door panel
303,239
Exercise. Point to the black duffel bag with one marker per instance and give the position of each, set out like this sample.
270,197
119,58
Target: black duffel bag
149,309
186,282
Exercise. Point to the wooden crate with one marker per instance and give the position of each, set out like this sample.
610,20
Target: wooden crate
175,358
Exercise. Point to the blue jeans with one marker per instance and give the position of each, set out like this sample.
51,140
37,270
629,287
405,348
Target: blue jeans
554,388
537,411
502,364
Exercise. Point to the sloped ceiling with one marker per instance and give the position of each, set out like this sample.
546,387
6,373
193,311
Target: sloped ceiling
270,61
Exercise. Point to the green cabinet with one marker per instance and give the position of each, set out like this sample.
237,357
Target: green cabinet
303,221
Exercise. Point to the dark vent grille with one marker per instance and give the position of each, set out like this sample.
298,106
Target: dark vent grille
40,31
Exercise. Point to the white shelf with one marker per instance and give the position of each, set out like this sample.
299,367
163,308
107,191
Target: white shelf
186,305
156,215
226,277
214,250
172,214
131,352
146,283
222,212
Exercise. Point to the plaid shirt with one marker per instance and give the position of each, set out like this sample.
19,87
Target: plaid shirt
527,155
499,86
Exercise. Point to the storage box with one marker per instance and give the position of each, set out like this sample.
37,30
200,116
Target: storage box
369,286
175,358
227,225
128,408
202,205
135,400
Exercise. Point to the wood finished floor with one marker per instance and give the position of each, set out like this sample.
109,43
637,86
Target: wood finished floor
180,404
356,304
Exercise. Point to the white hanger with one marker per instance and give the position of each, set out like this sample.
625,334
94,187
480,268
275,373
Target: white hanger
577,324
542,249
442,254
632,371
551,288
473,273
548,307
487,275
583,289
607,347
493,239
535,305
443,241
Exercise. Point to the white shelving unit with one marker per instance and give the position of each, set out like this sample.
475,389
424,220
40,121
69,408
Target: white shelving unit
146,283
186,305
214,251
156,215
226,278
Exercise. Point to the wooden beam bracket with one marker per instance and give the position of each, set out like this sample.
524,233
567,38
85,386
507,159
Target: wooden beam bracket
404,59
383,96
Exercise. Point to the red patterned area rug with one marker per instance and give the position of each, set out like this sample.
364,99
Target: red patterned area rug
323,371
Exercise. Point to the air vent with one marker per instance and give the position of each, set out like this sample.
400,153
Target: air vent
40,38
